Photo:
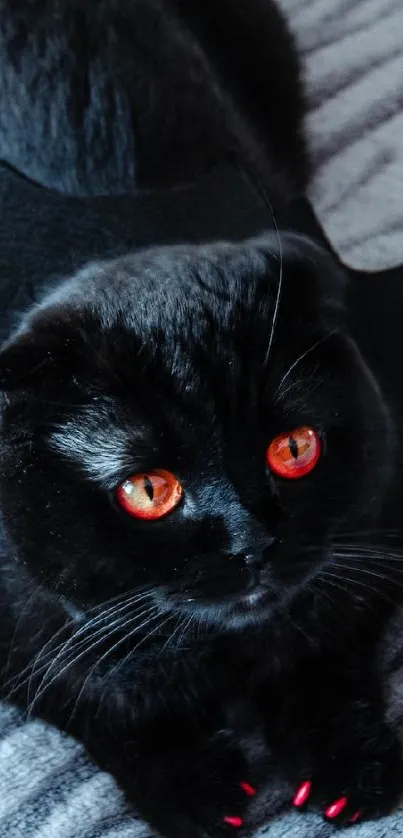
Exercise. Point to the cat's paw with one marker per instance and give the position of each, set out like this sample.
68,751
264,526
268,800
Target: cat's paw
224,813
199,793
360,785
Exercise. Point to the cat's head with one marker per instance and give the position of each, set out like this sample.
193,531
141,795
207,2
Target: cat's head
193,419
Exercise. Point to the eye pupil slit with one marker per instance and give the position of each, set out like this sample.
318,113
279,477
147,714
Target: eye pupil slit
148,487
293,447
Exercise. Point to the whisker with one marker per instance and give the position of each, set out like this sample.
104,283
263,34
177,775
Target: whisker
327,575
118,625
360,569
371,559
301,358
23,612
185,628
333,583
323,593
115,669
367,549
113,649
181,623
369,532
56,652
129,599
100,618
357,567
27,670
279,286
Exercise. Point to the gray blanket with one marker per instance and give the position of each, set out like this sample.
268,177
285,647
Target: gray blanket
353,53
49,789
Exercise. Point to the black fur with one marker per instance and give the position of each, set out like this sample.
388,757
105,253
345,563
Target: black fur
242,637
101,97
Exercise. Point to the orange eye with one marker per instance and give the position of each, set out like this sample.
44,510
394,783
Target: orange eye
150,495
295,454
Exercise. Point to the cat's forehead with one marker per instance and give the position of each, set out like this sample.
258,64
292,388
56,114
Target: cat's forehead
174,287
184,314
222,284
218,302
175,278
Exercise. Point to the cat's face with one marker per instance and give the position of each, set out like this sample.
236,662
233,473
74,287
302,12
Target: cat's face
191,419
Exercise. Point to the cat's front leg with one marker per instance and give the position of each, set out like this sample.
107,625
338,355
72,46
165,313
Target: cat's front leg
336,746
200,787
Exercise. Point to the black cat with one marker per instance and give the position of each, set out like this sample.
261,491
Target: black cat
193,451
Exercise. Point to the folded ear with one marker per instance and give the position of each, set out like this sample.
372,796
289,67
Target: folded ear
43,349
23,359
332,278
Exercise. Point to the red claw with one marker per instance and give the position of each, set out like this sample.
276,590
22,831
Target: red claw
336,808
237,822
302,794
248,789
356,817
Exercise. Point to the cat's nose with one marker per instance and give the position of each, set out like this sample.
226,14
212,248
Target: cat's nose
249,541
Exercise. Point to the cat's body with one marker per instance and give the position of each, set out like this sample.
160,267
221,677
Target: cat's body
106,97
224,643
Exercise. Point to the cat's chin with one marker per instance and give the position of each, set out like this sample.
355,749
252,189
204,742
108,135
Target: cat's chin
232,613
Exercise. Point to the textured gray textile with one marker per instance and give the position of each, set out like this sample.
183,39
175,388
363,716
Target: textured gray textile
353,53
48,789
